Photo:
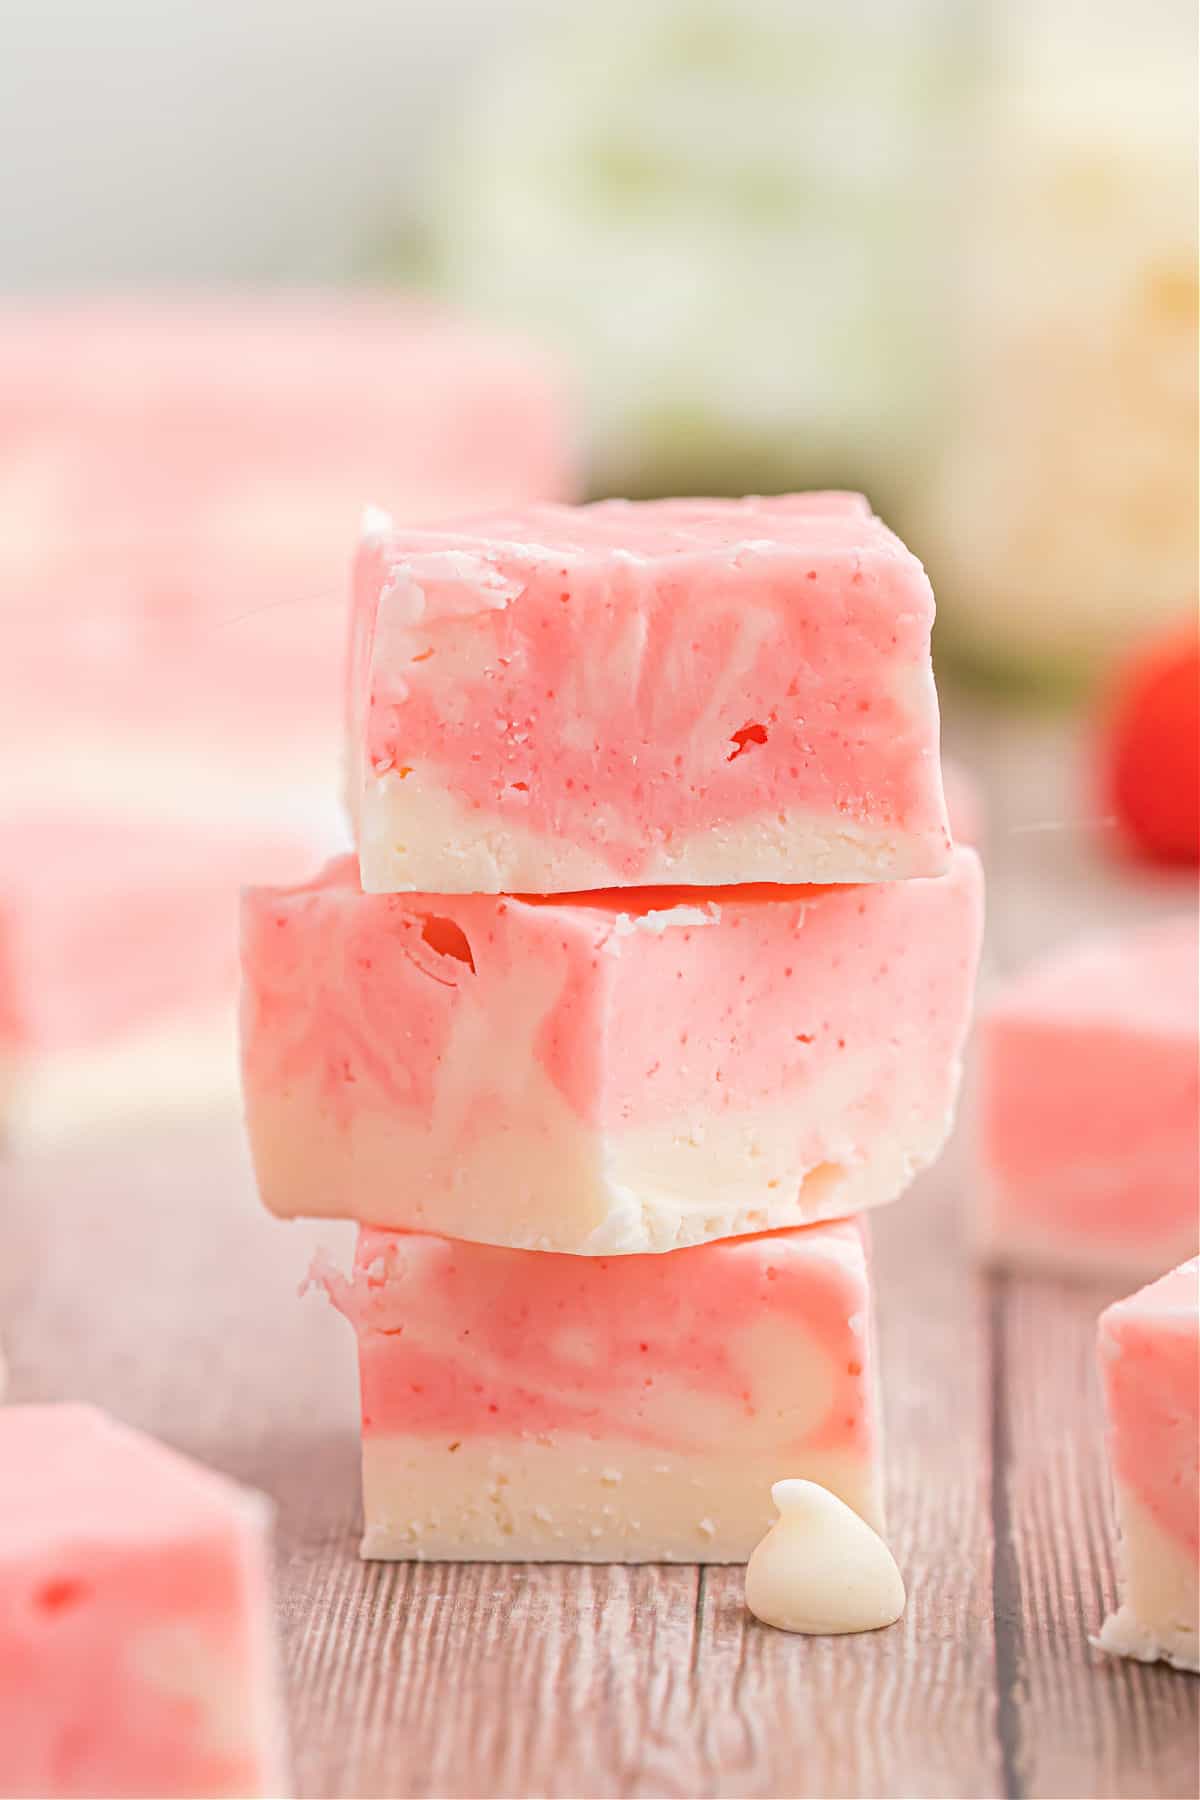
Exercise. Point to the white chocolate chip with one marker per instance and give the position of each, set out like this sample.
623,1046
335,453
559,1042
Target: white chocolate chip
821,1569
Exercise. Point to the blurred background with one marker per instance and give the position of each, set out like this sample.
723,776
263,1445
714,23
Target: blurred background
263,264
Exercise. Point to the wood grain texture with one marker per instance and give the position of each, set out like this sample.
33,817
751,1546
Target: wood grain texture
1070,1722
1135,1727
139,1272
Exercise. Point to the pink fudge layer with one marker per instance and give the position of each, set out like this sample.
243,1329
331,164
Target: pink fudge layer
623,1071
119,955
1090,1105
519,1406
180,481
1150,1365
684,691
136,1654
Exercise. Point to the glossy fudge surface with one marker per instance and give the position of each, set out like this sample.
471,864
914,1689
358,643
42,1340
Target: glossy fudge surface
605,1073
135,1646
1150,1367
684,691
1090,1105
591,1409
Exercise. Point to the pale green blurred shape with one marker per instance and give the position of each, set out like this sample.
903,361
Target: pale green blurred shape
943,252
733,215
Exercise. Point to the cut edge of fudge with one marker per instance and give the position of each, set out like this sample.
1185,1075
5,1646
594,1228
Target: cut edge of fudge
518,1071
1158,1617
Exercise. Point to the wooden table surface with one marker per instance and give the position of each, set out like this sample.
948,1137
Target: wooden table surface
139,1272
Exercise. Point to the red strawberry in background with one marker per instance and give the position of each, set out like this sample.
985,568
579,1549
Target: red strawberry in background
1150,749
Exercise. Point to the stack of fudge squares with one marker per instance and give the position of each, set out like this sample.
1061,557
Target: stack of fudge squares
648,978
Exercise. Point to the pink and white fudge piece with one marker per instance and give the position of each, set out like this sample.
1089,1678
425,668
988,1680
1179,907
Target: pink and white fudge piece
519,1406
119,959
684,691
616,1072
180,480
136,1653
250,431
1090,1105
1150,1366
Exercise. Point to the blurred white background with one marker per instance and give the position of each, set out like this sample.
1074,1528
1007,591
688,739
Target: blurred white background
195,140
273,140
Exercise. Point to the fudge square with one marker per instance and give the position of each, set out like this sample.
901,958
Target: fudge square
1090,1105
119,958
135,1636
629,693
529,1407
616,1072
1150,1367
179,477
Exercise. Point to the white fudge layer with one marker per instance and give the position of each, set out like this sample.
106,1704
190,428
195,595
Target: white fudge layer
398,821
1159,1616
660,1188
185,1067
582,1499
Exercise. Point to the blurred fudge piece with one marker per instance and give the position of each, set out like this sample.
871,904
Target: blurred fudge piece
1090,1105
686,691
180,482
519,1406
119,960
136,1654
1150,1368
614,1072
